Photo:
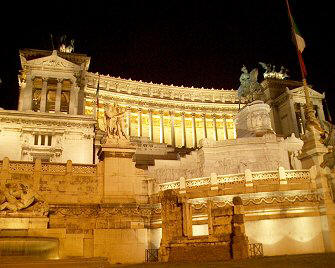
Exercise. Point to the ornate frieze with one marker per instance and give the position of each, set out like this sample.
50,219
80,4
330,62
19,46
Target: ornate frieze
150,94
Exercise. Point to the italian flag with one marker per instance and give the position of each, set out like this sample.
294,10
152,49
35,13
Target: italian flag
300,42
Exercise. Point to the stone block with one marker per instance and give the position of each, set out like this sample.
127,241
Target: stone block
239,229
222,211
222,220
239,218
222,229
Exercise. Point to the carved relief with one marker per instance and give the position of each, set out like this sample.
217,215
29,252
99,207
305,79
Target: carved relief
17,195
114,122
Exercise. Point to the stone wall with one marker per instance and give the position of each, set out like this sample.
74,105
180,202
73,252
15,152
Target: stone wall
74,212
225,157
295,235
68,133
57,183
226,239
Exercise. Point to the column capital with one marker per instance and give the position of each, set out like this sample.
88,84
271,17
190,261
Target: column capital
44,79
161,112
172,113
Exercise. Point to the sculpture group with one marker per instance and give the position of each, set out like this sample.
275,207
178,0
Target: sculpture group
115,125
249,87
15,196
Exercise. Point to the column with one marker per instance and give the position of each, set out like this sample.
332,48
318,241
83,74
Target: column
161,126
225,128
58,96
173,137
302,111
128,122
321,113
73,98
183,126
194,131
294,123
44,95
204,125
26,97
139,125
214,128
151,129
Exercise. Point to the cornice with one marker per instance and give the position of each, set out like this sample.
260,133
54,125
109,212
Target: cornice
163,104
159,91
46,118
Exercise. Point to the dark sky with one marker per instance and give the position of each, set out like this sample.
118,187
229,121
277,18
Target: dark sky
195,43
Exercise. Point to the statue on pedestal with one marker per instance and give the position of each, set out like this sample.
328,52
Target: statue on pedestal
249,87
115,125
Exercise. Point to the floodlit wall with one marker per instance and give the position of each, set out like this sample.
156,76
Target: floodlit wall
300,235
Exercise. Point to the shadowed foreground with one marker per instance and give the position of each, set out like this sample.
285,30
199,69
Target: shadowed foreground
305,261
287,261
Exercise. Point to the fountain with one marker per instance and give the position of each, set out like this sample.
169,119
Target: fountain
26,246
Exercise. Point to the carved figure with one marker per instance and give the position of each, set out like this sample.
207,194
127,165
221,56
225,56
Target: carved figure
16,196
270,71
115,122
329,159
295,162
249,86
328,135
66,48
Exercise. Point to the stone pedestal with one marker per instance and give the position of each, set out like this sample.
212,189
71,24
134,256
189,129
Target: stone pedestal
313,150
119,171
312,155
239,239
122,180
254,120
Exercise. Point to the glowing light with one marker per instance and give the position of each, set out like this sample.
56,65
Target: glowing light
201,229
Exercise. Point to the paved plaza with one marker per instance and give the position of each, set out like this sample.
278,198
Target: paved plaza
292,261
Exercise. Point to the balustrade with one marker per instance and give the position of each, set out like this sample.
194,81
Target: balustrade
247,179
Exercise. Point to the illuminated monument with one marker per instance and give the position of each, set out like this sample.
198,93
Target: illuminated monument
98,166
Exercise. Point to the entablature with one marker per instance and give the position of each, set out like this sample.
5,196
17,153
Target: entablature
159,91
141,102
24,119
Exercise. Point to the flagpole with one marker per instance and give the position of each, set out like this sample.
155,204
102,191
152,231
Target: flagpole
310,115
96,117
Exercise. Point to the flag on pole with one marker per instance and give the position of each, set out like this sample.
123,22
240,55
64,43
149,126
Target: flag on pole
97,95
298,37
299,42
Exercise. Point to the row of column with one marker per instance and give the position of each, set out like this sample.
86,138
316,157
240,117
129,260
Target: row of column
183,126
28,95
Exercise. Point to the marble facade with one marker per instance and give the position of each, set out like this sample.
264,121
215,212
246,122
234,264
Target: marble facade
64,178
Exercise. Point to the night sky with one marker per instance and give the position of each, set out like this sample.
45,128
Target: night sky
195,43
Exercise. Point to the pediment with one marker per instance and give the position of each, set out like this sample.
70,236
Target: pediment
313,93
53,61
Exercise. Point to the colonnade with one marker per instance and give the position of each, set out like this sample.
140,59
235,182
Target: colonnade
29,89
171,115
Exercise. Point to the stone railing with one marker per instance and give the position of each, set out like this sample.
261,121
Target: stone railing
246,179
56,182
160,91
24,166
